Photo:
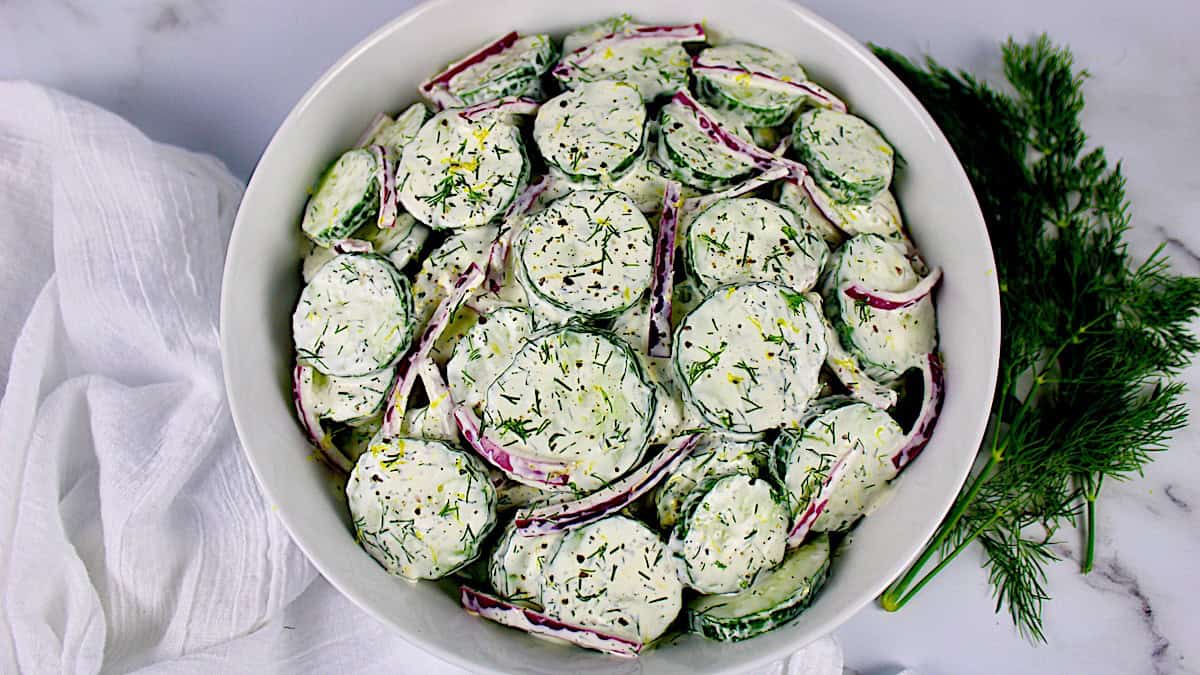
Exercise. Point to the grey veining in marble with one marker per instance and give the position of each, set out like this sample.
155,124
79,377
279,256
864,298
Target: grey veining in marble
219,75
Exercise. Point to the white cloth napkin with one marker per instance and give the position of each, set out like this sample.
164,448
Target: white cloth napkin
132,533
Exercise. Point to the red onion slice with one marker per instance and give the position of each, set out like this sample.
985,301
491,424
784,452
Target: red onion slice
441,402
809,89
762,159
436,88
389,210
934,394
846,368
609,499
353,246
510,105
497,260
767,177
549,473
310,421
397,400
816,506
531,621
658,340
889,300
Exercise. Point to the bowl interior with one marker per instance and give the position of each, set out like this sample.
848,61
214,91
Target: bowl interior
262,282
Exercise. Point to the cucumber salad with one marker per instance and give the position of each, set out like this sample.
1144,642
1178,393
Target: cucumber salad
620,333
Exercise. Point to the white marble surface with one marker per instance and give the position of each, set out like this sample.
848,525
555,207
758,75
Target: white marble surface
219,75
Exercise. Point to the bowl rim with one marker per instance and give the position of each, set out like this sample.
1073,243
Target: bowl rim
853,47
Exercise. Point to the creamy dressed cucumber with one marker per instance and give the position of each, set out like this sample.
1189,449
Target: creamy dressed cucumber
354,318
577,396
395,134
420,507
589,253
345,199
518,564
778,596
749,356
886,341
863,437
692,155
462,173
849,159
654,66
636,332
754,102
614,575
712,457
352,400
729,530
751,239
594,132
485,351
514,71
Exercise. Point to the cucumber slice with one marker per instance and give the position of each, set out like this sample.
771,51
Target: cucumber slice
646,182
693,156
848,158
613,575
864,435
459,173
355,317
395,134
485,351
421,508
350,400
713,456
517,565
887,342
400,244
778,596
654,66
515,71
589,253
744,97
794,198
586,35
730,530
749,355
574,395
346,198
750,239
593,132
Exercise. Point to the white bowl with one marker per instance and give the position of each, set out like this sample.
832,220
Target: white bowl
262,282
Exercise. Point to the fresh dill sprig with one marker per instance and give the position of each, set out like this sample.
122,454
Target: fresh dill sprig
1090,339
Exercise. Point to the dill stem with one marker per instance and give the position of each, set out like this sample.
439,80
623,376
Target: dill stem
894,597
1089,553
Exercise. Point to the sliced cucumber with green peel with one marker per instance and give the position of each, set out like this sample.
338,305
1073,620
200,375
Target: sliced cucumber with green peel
442,267
350,400
355,317
848,157
794,198
655,66
485,351
887,342
462,173
573,395
713,456
518,563
777,597
395,134
421,508
749,355
589,253
731,529
613,575
861,436
693,156
594,132
345,199
748,98
513,71
586,35
750,239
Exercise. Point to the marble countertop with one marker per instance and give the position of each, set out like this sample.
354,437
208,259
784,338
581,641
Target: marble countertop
219,75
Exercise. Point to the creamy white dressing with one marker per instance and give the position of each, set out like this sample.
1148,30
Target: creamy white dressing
730,530
750,239
594,132
614,575
485,351
420,507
